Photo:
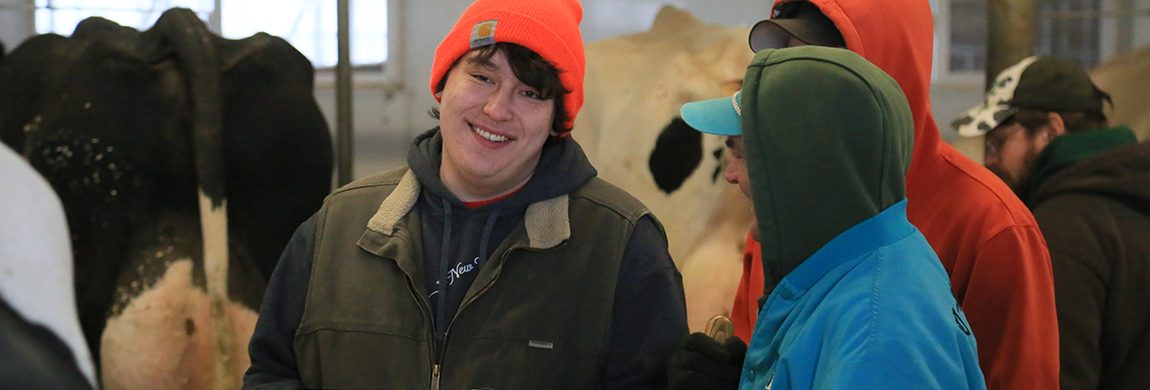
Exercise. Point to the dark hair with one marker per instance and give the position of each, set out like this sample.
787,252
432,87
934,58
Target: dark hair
531,69
1075,121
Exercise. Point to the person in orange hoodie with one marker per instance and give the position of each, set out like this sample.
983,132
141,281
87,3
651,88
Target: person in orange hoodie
986,238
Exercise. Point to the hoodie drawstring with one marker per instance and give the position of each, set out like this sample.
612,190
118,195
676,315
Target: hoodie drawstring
445,266
487,236
441,307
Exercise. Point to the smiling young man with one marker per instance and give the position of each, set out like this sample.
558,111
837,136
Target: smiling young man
496,258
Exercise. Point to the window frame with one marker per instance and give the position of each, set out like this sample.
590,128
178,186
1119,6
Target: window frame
941,74
1118,19
386,75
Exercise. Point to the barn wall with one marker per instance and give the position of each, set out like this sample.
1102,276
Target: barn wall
1142,25
16,24
384,132
392,109
948,101
1110,30
393,118
427,22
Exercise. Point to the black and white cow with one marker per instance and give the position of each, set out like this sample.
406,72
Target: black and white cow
630,129
184,162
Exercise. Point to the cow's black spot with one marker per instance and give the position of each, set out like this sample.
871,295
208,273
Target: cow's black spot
678,151
720,167
190,326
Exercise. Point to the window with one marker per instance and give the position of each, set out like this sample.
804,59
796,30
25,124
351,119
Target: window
1085,31
968,32
1068,29
309,25
62,16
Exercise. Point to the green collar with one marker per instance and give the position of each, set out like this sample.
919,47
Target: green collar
1070,148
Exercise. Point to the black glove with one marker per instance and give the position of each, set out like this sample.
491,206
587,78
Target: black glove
701,363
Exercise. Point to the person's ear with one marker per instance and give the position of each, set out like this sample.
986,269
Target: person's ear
439,94
1057,126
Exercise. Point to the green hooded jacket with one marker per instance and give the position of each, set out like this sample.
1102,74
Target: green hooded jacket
828,139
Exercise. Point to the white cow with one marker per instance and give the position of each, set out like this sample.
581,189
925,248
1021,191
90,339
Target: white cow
1127,79
635,85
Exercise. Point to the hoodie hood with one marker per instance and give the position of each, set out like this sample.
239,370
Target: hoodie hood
828,140
898,37
1121,173
562,168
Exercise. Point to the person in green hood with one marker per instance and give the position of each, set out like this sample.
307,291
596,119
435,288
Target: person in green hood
1088,185
821,142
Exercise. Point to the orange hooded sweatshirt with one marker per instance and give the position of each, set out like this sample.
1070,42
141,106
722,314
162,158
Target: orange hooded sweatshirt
986,238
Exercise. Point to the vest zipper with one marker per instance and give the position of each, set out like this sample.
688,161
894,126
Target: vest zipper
423,305
443,351
447,331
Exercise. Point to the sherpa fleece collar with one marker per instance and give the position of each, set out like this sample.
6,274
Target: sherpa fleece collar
547,222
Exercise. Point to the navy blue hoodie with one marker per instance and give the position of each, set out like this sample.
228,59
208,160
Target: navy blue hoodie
458,240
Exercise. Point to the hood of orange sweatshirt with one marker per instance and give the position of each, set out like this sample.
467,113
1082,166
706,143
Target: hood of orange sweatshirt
898,37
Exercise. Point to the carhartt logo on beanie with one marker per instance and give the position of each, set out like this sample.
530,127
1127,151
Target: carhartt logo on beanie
483,34
547,27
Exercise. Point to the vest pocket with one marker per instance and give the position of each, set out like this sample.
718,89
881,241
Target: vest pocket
354,358
520,363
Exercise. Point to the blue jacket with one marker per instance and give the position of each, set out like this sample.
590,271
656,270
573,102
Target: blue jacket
870,310
856,298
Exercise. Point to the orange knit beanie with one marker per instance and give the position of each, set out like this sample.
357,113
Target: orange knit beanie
550,28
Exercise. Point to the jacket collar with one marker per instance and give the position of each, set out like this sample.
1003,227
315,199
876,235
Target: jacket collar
548,223
1068,149
884,229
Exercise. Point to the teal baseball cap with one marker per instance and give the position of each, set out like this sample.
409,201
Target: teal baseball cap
716,116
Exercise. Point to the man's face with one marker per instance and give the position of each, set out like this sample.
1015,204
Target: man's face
493,128
1011,152
736,173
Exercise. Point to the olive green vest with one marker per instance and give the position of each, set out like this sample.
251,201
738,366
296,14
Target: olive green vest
538,315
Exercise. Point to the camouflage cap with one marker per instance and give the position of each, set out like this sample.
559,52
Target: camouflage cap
1044,83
